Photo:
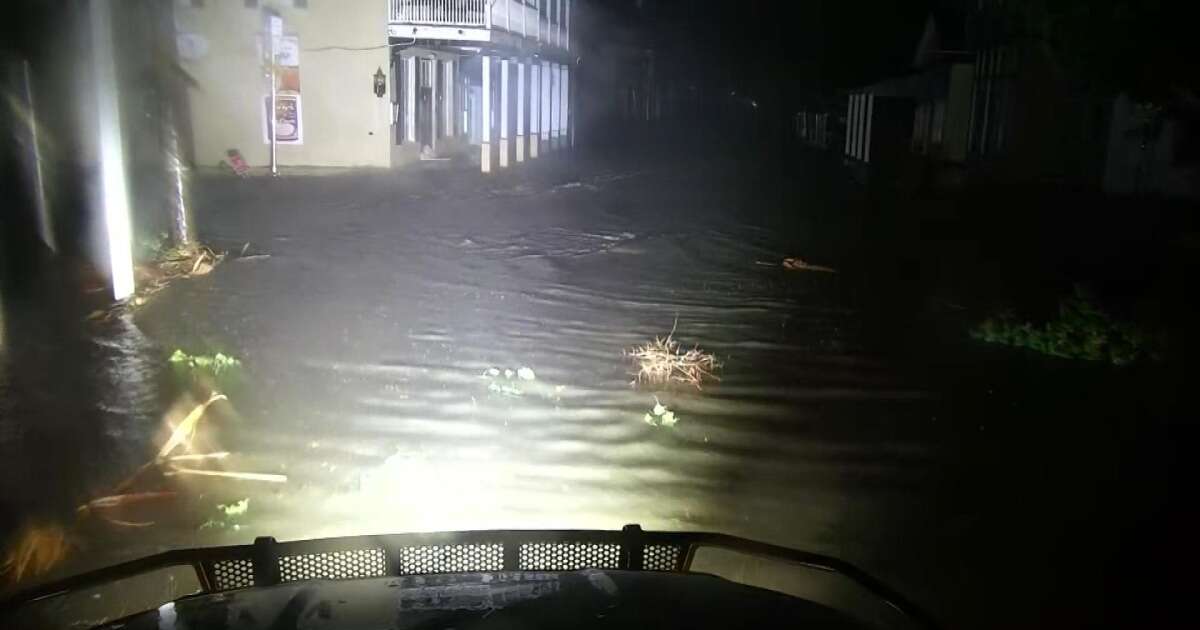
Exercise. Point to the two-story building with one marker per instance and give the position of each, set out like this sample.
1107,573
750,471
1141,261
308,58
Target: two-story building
377,83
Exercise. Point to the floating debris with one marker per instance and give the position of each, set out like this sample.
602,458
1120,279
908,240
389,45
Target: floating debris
504,381
184,432
237,508
796,264
39,548
216,363
227,474
660,416
662,362
122,500
198,457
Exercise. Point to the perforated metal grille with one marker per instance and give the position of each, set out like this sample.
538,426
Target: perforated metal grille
660,557
333,565
451,558
569,556
231,574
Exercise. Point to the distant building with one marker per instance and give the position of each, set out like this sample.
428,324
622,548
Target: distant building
1029,123
814,127
916,125
1153,149
379,83
989,99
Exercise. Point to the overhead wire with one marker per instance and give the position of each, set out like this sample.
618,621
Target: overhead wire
361,48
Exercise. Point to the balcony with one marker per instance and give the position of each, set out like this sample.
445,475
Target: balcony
500,22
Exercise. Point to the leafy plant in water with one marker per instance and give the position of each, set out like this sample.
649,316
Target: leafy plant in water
214,364
227,516
509,385
1081,331
660,416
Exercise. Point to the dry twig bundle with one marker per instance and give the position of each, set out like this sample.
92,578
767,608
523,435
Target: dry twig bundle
662,362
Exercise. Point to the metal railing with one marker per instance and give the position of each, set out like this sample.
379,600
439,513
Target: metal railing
473,13
519,17
268,562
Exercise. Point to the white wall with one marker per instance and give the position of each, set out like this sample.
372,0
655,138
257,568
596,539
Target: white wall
344,123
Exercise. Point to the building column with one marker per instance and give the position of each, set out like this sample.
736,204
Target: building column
448,106
410,99
433,101
555,105
564,101
485,155
535,98
521,109
503,113
546,79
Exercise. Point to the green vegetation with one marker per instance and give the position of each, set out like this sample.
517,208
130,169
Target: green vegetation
213,364
660,416
227,516
1081,331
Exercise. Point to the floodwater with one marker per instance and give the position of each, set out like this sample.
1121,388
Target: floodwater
367,310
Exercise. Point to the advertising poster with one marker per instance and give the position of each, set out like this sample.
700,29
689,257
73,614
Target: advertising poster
289,115
287,118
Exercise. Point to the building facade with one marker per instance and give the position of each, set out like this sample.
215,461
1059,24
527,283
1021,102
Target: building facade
377,83
917,125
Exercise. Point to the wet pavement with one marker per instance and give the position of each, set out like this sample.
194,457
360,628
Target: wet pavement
367,309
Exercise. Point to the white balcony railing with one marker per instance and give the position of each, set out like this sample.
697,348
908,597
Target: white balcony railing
519,17
439,12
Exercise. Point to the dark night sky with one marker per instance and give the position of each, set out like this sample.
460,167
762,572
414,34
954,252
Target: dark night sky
1104,46
831,43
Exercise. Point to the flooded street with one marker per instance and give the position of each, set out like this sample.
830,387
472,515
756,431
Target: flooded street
367,310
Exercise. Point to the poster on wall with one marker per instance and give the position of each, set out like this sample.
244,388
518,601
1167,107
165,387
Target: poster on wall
289,116
288,119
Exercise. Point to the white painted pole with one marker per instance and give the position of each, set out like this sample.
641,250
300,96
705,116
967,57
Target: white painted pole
503,113
410,98
274,23
567,26
867,134
448,75
433,101
849,124
547,79
564,102
568,115
114,197
555,98
535,98
485,156
520,110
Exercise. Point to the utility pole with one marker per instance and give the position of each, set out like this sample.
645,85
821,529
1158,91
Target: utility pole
274,33
114,196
